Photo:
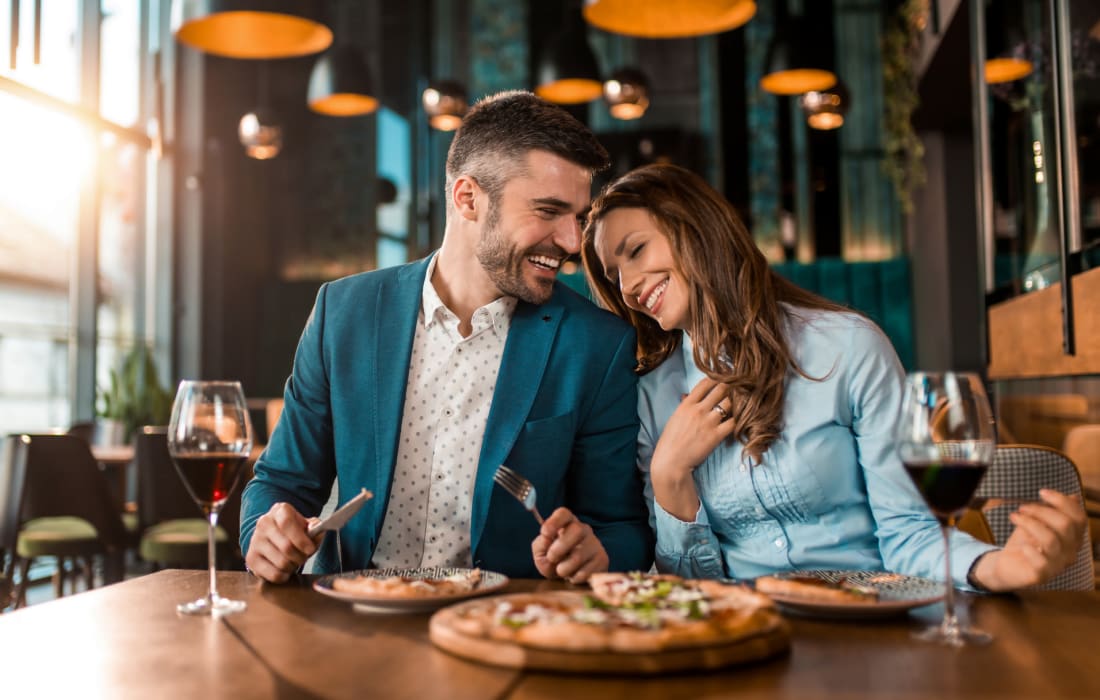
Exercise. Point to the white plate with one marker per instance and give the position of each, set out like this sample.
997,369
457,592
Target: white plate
897,593
490,581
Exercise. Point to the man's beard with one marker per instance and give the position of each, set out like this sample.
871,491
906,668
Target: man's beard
504,264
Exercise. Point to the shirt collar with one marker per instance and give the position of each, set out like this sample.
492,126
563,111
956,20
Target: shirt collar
498,311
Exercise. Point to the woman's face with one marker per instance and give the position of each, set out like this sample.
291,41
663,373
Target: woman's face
636,256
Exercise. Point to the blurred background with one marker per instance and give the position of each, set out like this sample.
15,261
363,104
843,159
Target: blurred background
173,190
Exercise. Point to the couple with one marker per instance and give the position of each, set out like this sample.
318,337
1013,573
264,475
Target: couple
760,425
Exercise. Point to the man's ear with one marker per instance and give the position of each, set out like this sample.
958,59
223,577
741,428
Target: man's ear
465,196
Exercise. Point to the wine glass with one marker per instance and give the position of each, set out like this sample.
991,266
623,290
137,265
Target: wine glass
209,438
946,439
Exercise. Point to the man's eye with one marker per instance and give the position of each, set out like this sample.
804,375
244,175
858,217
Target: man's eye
548,213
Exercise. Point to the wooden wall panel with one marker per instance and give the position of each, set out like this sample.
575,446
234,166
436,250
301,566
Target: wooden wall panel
1025,333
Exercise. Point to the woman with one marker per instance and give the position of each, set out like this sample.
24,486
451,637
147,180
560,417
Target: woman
767,412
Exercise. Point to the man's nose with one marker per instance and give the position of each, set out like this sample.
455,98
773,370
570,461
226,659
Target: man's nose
568,235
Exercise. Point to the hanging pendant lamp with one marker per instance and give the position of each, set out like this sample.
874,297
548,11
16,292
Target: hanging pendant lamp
340,84
627,93
567,72
792,67
668,19
249,30
260,134
1007,45
825,109
445,104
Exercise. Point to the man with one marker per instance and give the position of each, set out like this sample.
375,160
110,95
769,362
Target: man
418,381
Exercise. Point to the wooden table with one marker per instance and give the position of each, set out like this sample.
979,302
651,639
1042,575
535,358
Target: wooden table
126,641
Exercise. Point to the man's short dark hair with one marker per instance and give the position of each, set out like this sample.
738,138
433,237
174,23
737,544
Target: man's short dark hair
499,131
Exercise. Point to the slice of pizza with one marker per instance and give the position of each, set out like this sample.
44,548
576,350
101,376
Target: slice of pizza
815,589
400,587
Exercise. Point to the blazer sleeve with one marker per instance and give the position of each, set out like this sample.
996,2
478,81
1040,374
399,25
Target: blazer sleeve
605,489
298,465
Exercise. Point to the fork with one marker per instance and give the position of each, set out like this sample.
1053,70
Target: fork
522,489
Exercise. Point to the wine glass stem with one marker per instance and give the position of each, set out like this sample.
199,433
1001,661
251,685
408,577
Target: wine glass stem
211,552
950,622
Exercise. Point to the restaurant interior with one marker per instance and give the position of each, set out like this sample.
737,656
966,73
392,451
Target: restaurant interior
174,191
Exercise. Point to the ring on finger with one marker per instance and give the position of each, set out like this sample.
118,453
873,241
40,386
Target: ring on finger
721,411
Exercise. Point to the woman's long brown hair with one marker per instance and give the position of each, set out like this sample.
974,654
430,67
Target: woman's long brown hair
733,300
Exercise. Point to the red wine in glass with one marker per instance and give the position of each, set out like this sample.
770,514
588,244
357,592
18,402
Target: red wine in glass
209,439
209,478
946,486
946,437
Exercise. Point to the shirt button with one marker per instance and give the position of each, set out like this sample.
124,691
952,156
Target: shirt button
432,538
448,412
780,543
440,476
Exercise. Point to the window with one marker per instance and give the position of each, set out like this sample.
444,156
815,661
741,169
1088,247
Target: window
77,182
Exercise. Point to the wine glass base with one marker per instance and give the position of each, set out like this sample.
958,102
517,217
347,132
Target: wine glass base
212,605
954,636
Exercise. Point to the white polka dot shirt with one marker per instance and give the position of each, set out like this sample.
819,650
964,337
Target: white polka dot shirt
447,398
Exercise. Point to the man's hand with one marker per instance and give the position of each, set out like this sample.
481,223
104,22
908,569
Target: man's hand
567,548
1045,542
280,544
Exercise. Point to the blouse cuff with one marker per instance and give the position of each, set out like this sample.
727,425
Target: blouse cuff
677,535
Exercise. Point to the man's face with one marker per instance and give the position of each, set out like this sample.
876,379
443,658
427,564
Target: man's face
534,226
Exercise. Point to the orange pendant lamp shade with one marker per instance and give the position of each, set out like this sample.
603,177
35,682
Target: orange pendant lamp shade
240,30
340,84
668,19
567,72
792,67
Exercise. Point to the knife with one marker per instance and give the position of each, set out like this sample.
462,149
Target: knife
341,515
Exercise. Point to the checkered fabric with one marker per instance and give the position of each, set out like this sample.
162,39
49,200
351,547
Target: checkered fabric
1018,472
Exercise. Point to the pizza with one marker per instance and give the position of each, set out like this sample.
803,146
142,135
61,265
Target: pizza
625,613
403,587
811,588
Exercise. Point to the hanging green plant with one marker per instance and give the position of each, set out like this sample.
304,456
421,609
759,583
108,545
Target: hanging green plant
903,162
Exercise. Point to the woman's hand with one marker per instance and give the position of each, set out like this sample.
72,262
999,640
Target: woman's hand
699,423
1046,541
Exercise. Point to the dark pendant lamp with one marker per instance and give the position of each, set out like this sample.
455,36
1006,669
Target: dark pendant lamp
668,19
1007,46
792,66
567,72
445,104
825,109
242,29
340,84
627,93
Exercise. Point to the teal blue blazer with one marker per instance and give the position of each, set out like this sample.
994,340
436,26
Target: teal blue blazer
564,414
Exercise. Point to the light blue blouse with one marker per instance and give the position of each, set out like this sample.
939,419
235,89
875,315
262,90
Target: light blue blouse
830,493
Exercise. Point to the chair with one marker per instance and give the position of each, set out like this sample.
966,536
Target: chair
1018,472
66,510
172,531
11,495
1082,445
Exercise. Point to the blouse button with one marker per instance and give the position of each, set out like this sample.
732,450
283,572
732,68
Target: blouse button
779,543
744,467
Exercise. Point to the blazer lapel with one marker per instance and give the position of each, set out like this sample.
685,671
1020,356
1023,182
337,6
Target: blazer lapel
396,311
530,338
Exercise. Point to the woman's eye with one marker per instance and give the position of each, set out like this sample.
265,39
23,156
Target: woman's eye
636,249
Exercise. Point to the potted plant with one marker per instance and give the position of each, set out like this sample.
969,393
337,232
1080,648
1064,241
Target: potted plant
134,397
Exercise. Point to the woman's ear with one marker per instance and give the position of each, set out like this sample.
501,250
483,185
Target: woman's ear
464,197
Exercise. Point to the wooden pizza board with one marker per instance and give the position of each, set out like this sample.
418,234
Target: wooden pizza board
771,641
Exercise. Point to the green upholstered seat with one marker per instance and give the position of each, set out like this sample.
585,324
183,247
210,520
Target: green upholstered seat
179,542
61,536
